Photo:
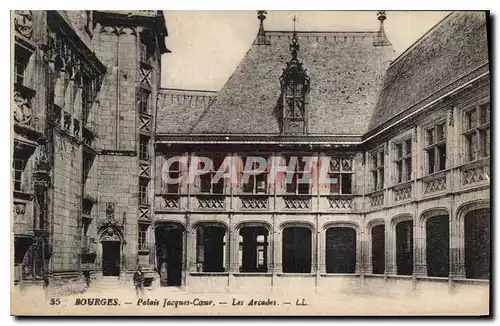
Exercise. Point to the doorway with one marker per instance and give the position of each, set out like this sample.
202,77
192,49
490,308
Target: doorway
110,258
341,250
297,246
438,246
169,248
477,244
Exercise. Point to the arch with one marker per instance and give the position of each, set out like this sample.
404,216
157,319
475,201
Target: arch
178,224
342,224
253,223
401,218
169,251
110,233
401,244
209,223
253,242
288,224
431,212
211,238
469,206
374,222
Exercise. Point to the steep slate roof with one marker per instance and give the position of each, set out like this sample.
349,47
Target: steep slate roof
346,72
179,110
454,49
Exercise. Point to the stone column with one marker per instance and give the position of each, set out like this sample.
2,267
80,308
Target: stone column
235,249
457,247
200,249
278,267
322,251
390,254
359,252
190,246
185,240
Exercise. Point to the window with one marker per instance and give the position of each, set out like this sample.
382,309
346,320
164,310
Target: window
296,186
256,183
142,244
476,130
20,64
143,191
340,172
206,184
378,169
17,174
143,101
402,152
174,173
143,148
435,147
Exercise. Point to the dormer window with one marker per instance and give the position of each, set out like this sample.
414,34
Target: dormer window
294,89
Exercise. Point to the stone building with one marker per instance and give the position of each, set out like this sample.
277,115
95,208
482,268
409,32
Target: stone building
84,108
406,141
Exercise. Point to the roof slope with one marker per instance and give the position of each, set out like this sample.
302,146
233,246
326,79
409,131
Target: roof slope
452,49
179,110
346,72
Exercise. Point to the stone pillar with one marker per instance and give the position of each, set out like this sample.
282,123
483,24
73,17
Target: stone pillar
190,246
457,247
359,252
390,254
278,264
200,249
234,266
322,251
185,240
314,250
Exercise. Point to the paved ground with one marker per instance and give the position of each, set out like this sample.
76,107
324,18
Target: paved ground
120,300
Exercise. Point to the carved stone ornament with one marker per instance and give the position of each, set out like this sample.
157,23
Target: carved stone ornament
23,22
110,235
41,172
450,117
19,209
23,112
110,211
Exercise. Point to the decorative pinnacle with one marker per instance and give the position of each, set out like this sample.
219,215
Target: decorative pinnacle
261,36
381,16
261,15
294,46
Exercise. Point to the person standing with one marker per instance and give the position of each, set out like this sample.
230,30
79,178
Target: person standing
139,280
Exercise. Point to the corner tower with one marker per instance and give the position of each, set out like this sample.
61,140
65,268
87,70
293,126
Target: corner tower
130,44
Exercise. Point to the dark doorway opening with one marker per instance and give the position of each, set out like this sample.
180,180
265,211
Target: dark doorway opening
378,249
297,244
211,246
477,244
253,249
110,258
341,250
169,248
438,246
404,248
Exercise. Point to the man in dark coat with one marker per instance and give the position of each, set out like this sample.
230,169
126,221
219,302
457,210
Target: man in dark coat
139,280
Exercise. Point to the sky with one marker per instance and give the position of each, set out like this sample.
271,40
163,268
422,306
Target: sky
208,45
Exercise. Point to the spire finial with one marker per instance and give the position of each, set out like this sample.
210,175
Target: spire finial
381,16
261,36
381,37
294,45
